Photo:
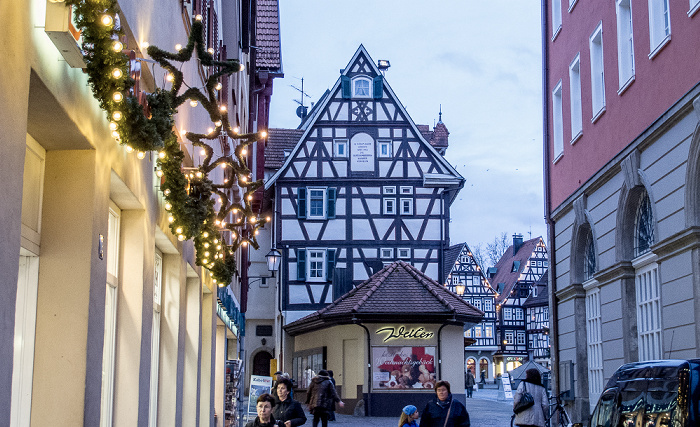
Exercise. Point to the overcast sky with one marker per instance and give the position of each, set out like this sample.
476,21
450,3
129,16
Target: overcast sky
480,59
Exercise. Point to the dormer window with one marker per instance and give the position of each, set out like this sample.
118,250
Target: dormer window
361,87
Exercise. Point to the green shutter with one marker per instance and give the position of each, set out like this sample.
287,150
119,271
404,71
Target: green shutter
331,203
301,264
378,86
301,202
346,89
330,264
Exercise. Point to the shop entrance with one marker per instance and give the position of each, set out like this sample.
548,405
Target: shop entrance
261,364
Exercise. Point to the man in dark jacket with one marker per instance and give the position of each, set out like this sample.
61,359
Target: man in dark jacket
444,407
287,411
321,397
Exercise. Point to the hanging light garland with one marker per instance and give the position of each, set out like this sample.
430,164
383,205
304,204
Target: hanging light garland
189,193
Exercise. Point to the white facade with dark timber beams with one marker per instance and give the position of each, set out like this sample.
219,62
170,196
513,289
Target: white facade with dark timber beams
361,189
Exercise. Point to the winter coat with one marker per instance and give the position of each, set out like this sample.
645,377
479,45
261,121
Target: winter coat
256,422
536,414
322,394
410,424
434,414
289,410
470,380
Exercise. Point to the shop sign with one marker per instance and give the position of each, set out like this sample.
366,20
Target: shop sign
396,368
515,359
403,332
258,385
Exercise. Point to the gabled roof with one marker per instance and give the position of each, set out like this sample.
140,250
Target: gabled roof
542,297
399,291
505,273
320,106
267,35
451,255
279,141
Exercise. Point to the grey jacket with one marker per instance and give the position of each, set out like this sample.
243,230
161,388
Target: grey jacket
535,415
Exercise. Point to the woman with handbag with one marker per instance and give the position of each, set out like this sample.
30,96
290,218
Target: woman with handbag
444,411
530,403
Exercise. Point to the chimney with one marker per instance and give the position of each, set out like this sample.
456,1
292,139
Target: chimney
517,242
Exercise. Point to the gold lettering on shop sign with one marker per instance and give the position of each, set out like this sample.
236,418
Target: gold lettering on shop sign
405,333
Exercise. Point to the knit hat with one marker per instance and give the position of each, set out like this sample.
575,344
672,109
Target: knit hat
409,410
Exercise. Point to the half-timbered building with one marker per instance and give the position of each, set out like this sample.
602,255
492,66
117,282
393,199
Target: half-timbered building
465,277
513,277
537,318
361,188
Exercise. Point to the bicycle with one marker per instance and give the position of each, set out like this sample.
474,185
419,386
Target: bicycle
556,407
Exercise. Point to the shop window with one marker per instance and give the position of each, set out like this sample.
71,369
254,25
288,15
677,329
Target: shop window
306,365
471,365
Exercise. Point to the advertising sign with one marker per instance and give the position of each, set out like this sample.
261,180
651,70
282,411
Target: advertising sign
396,367
258,386
507,390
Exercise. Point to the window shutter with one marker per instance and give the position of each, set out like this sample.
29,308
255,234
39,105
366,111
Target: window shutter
301,202
330,264
346,87
378,86
301,264
331,203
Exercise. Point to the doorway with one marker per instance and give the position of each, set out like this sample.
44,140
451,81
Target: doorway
261,364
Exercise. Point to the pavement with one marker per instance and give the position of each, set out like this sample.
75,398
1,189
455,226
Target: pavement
485,410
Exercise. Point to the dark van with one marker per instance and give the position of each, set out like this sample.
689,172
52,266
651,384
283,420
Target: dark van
651,394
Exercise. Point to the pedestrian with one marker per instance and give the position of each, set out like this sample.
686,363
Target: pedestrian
263,407
470,383
483,377
287,411
444,410
409,415
321,397
535,415
331,416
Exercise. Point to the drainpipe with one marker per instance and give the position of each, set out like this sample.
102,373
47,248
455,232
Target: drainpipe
553,309
369,366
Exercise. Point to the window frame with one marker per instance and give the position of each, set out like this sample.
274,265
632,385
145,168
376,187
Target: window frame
507,313
659,16
407,189
324,201
338,143
355,87
406,202
556,18
389,189
389,206
388,255
595,45
575,99
625,44
323,257
557,121
399,252
594,343
648,308
509,338
389,146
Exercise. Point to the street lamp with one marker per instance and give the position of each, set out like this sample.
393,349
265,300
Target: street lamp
459,288
274,257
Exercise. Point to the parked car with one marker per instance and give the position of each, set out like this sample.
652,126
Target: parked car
656,393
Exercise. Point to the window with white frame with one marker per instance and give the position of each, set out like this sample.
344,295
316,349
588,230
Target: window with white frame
595,43
507,314
508,338
389,190
557,121
389,206
518,313
625,43
488,331
155,339
403,253
648,312
317,202
644,227
361,87
387,253
659,24
521,338
384,148
575,93
477,331
595,344
406,190
316,265
406,206
477,303
340,148
488,304
110,330
556,17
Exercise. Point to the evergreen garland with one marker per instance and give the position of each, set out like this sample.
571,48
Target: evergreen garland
189,194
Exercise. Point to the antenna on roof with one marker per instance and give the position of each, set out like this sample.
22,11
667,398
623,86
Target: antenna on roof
302,111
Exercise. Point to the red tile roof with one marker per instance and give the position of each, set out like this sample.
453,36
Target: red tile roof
267,35
438,137
397,292
279,141
505,274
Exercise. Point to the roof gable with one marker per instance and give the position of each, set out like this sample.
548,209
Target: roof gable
506,273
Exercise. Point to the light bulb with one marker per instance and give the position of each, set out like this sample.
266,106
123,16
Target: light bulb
183,132
226,181
205,234
223,108
166,192
243,179
235,211
129,149
256,231
198,174
169,77
218,247
180,237
117,115
242,67
210,130
198,17
233,235
217,222
218,86
250,197
236,129
217,123
168,206
263,134
178,47
140,155
202,152
223,166
193,103
223,223
171,219
216,240
206,245
107,20
206,254
178,230
144,45
161,154
112,126
244,243
210,50
115,134
221,285
116,73
117,46
159,173
252,219
244,152
268,219
117,97
219,199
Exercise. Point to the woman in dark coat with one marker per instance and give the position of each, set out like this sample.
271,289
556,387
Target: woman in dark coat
264,409
287,411
321,398
436,410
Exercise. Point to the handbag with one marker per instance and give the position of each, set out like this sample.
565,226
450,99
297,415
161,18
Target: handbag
526,401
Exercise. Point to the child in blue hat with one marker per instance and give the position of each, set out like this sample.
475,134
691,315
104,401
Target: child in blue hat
409,415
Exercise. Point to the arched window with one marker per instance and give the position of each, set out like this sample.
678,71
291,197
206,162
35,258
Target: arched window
361,87
644,227
589,264
471,365
484,368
